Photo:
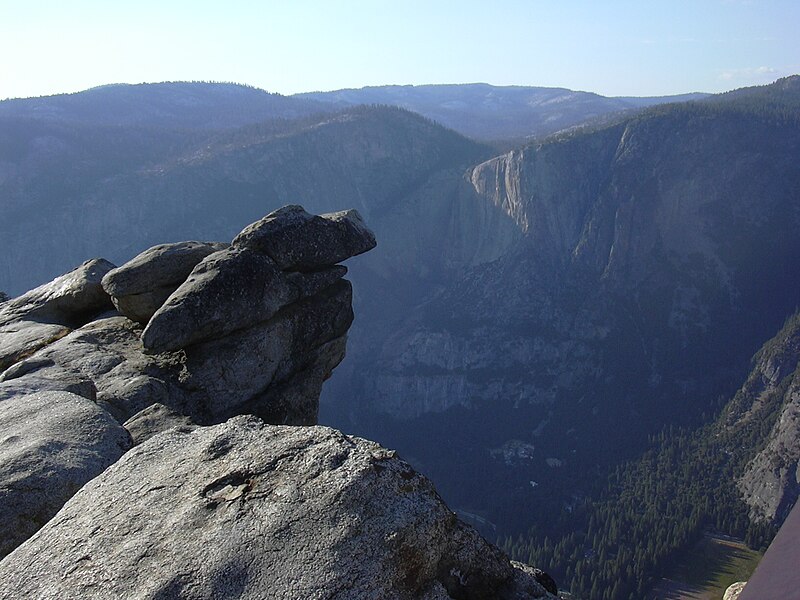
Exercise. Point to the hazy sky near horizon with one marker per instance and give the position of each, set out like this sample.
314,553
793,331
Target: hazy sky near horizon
612,47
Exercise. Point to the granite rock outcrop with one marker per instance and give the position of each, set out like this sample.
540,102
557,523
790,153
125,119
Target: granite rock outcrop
734,590
298,241
169,448
48,312
234,334
51,444
231,332
262,511
142,285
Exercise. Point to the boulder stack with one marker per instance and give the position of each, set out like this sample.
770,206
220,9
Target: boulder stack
201,332
140,286
254,327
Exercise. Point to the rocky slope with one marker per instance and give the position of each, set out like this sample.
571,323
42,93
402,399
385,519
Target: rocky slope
768,407
204,332
261,511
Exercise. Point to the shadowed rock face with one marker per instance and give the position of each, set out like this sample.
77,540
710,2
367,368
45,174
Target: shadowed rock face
263,512
249,370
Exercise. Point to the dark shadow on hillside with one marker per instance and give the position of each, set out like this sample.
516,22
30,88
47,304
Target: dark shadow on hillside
703,572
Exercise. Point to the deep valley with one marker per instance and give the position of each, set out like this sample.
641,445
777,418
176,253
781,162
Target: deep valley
585,336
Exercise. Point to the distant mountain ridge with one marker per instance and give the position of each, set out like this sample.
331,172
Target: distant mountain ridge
479,110
488,112
175,105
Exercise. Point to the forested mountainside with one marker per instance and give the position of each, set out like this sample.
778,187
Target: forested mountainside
173,105
479,111
528,323
118,190
489,112
735,475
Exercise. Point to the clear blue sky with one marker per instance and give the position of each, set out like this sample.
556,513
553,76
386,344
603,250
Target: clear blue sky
613,47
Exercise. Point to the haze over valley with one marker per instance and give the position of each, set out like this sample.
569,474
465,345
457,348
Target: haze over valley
538,317
410,301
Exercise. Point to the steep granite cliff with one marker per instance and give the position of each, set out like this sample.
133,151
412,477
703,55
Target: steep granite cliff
769,405
653,257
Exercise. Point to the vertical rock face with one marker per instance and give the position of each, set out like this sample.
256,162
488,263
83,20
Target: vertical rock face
654,256
771,482
250,369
